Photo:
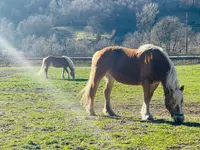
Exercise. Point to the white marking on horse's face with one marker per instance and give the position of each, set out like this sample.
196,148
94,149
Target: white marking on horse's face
178,97
174,105
177,111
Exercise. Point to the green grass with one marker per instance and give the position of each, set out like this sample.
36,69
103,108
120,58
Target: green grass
79,34
47,114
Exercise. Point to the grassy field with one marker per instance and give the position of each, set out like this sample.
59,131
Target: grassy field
46,114
79,34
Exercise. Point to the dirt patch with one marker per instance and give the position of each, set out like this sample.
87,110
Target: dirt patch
192,108
1,113
39,90
8,73
158,110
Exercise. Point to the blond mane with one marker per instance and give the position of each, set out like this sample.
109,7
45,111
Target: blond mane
71,64
172,81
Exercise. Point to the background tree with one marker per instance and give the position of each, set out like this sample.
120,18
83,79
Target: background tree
39,25
147,17
190,3
169,32
95,23
76,23
8,31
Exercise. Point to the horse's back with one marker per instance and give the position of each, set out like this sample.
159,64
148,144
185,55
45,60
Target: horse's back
122,63
56,61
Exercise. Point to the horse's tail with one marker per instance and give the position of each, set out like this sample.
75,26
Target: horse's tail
86,91
42,67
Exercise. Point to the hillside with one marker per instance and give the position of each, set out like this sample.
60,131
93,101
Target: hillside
59,27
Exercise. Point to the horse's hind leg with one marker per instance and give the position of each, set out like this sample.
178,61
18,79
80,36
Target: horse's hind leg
62,74
46,71
148,93
107,91
93,90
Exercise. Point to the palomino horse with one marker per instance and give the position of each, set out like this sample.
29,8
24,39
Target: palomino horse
58,62
147,66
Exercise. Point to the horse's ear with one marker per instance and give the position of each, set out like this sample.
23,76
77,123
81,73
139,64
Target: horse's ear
182,88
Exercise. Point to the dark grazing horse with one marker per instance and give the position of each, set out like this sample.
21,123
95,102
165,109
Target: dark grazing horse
58,62
147,66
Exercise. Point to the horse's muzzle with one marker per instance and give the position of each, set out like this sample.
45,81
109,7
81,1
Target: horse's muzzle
178,118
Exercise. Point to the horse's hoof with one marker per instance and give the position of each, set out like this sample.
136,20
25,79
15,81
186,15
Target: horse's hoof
147,118
110,113
150,119
90,110
92,114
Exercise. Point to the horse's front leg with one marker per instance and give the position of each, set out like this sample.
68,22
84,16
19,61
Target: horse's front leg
67,73
148,93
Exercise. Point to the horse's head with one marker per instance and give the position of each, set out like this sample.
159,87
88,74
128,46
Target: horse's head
173,103
72,73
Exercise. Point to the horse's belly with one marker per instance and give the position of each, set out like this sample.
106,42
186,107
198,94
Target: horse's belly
127,79
57,65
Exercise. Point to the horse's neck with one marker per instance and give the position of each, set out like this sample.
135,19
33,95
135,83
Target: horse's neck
164,84
70,65
165,88
168,88
71,68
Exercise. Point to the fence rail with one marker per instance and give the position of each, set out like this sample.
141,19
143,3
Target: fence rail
73,58
178,60
185,57
90,58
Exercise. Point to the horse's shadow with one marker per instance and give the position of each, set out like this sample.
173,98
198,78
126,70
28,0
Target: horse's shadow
156,121
188,124
78,79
